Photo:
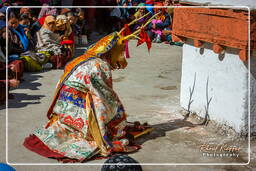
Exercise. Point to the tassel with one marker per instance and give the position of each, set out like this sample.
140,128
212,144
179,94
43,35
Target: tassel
126,31
127,54
144,38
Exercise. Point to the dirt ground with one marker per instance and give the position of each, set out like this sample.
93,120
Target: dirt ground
149,89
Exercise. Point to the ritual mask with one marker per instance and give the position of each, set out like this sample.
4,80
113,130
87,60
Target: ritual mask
114,46
117,58
61,22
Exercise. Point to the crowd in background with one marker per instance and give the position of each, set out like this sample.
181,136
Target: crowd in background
45,38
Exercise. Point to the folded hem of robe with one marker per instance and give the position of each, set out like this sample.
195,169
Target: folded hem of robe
34,144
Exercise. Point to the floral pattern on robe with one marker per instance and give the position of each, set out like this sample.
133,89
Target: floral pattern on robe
70,135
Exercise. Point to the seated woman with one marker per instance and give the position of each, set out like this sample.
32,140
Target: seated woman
86,118
24,22
48,45
17,44
21,49
17,37
12,81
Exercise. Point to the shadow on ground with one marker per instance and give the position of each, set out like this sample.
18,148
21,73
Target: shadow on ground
21,100
161,129
29,83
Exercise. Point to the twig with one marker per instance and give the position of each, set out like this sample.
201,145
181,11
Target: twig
137,31
133,35
191,92
208,101
134,21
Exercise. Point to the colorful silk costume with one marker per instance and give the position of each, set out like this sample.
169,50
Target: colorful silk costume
86,116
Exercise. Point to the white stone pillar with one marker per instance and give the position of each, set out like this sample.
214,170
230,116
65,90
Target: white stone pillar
227,86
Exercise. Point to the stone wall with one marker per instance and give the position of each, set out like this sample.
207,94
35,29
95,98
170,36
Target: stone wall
227,89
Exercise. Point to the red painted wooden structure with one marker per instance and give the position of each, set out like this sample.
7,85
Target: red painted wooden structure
221,27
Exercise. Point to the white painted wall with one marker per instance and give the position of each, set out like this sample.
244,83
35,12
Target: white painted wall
228,85
253,94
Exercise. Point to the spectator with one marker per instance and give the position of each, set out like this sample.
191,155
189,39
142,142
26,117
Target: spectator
64,29
119,16
49,45
72,19
80,24
25,10
140,11
115,17
31,15
168,10
12,81
20,47
18,41
162,22
19,33
65,11
81,30
124,11
36,26
24,22
167,32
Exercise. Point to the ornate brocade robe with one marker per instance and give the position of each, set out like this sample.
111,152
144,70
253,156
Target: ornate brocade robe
87,116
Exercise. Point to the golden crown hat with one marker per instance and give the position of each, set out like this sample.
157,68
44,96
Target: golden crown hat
117,38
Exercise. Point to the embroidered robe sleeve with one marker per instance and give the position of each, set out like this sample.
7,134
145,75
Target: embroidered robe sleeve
107,105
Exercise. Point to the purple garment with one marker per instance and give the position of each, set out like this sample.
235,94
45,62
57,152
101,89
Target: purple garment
47,11
139,23
156,31
127,54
